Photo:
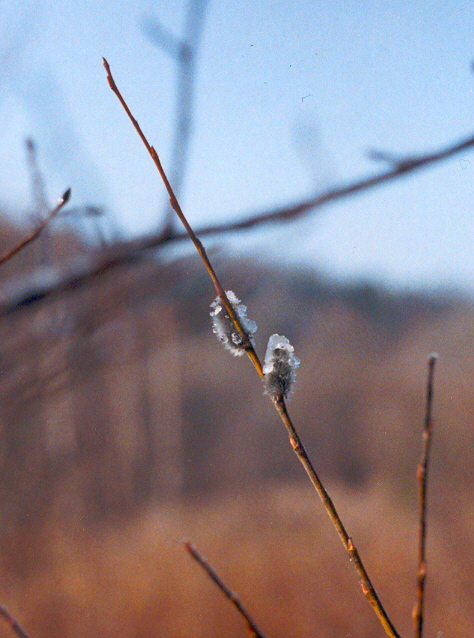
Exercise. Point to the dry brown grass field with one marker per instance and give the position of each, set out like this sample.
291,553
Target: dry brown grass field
275,547
125,429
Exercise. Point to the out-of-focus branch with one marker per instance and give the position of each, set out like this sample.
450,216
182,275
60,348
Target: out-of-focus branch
40,201
37,231
83,211
123,253
37,181
163,38
184,51
14,624
286,213
422,476
225,590
41,205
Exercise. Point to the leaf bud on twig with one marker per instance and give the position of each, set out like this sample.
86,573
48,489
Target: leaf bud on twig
224,328
280,366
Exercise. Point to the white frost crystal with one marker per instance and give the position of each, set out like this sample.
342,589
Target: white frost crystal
280,366
224,328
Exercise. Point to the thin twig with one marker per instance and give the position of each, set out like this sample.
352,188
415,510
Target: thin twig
365,582
37,231
422,476
278,401
14,624
225,590
197,243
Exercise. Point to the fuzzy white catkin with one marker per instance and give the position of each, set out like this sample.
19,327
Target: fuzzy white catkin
280,366
224,328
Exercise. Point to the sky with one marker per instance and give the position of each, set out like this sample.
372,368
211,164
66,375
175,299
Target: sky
290,97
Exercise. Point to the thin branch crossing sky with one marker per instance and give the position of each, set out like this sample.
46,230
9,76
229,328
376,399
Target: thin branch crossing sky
290,99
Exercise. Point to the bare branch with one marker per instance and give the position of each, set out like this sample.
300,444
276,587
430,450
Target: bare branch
86,210
365,582
37,231
40,201
197,243
403,167
124,253
422,476
225,590
161,37
278,400
184,51
37,181
14,624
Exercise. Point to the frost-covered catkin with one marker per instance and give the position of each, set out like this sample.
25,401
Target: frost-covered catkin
224,328
280,366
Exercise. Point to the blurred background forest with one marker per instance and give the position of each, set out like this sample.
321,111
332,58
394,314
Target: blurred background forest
126,428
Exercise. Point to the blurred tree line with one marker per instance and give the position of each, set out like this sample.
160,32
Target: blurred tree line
115,394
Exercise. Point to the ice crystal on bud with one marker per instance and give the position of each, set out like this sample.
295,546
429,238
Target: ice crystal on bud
280,366
224,328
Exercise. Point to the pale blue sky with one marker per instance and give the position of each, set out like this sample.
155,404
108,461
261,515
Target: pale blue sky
289,97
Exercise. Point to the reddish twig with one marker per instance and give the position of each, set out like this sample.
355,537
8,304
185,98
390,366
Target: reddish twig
197,243
366,584
278,401
225,590
14,624
422,476
37,231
